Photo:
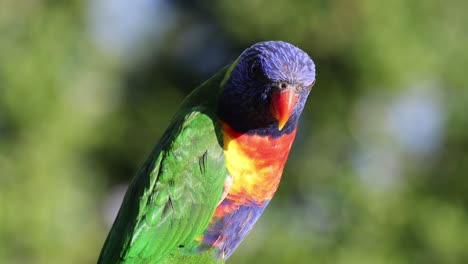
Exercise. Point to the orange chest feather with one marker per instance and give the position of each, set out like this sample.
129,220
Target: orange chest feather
255,164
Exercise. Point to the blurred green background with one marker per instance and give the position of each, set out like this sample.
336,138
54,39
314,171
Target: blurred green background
377,173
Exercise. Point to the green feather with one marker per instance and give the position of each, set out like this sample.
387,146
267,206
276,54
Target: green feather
173,197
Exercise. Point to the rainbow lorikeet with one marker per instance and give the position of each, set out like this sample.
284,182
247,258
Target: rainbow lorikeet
218,164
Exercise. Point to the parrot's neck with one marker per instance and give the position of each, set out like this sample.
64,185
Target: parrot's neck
255,164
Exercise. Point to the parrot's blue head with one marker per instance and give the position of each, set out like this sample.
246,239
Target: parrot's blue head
266,89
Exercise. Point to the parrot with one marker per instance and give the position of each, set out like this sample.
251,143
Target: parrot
218,164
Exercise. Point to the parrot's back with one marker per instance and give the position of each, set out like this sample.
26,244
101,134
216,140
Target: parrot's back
173,197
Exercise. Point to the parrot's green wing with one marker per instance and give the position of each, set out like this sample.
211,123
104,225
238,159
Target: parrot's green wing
174,195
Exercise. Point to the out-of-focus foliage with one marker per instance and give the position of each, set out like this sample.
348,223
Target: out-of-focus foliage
377,174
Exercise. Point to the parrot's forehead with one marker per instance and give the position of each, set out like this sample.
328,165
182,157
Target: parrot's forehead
281,61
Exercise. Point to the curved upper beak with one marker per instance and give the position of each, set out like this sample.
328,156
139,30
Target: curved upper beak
282,105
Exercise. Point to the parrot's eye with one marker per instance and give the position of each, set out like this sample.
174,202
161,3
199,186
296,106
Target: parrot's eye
254,69
256,72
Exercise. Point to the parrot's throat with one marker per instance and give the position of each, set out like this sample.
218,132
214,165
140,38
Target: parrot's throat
255,164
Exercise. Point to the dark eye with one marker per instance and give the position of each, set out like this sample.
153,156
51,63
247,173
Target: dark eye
254,69
256,72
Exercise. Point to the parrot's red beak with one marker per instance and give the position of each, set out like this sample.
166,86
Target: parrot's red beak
282,105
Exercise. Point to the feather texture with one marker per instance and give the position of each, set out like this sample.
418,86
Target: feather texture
173,197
